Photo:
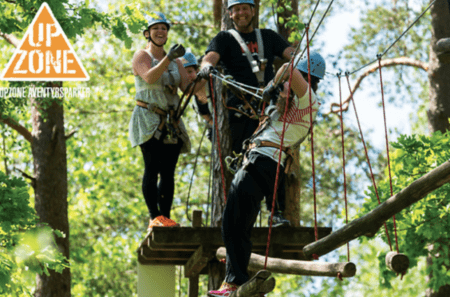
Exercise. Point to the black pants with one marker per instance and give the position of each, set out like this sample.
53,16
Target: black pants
160,159
247,190
241,128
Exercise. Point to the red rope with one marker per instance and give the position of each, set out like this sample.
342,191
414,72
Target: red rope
316,229
278,165
218,138
387,149
367,157
343,164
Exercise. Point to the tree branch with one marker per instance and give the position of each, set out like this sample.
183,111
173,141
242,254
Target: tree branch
25,175
384,63
71,133
18,127
10,38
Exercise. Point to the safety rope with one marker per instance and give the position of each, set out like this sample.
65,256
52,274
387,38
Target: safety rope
193,174
387,149
316,230
217,137
367,156
343,161
278,166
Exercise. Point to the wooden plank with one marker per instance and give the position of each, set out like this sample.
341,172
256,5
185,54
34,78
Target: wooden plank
165,255
198,261
296,267
185,236
370,223
158,262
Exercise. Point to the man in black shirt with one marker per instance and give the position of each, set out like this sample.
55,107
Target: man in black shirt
238,58
226,50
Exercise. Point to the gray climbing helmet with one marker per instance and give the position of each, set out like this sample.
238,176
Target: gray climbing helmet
317,65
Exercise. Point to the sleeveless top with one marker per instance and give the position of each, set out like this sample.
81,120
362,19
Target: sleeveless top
144,123
297,126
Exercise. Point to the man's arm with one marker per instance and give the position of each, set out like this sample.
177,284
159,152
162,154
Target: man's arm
288,52
210,59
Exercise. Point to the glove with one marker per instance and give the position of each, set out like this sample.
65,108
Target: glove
269,91
206,71
176,51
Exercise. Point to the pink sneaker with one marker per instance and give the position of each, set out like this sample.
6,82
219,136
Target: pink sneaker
225,290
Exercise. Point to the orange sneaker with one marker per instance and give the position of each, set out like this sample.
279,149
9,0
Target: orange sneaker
162,221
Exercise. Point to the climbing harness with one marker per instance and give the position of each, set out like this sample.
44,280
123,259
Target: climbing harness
258,65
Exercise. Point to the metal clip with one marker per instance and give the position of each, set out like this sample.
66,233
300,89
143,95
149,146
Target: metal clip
157,134
255,67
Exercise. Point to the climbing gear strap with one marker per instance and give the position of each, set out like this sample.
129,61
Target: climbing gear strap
258,66
167,119
151,107
286,150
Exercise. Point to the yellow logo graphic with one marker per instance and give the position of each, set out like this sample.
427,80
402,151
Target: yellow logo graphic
45,53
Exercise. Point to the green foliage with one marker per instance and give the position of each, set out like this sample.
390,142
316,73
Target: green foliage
423,227
24,249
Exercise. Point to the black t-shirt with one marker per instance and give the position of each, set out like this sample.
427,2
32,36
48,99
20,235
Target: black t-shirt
234,61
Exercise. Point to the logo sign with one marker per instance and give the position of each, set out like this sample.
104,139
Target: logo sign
45,53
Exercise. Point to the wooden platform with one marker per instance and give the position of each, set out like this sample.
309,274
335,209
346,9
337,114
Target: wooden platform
194,247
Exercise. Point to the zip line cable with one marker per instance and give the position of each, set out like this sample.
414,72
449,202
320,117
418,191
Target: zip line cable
398,38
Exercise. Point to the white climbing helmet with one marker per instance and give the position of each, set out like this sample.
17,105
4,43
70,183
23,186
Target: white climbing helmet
317,64
156,18
189,60
231,3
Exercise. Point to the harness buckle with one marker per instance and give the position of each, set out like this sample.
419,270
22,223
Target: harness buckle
254,65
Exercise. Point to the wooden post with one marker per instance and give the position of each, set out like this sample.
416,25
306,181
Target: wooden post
397,262
369,224
193,279
283,266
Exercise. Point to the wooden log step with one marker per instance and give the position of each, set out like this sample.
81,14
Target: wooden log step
262,282
397,262
276,265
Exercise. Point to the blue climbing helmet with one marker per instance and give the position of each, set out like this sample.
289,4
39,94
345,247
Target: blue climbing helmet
189,60
156,18
317,64
235,2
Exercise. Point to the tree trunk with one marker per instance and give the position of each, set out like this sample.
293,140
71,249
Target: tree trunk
439,73
292,181
439,79
50,169
216,270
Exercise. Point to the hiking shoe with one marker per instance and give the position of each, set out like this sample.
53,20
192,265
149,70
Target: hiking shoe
162,221
225,290
278,220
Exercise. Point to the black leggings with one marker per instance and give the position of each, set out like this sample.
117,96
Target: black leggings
159,158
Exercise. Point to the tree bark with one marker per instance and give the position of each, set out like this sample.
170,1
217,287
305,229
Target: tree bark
216,269
439,73
439,80
292,181
50,169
